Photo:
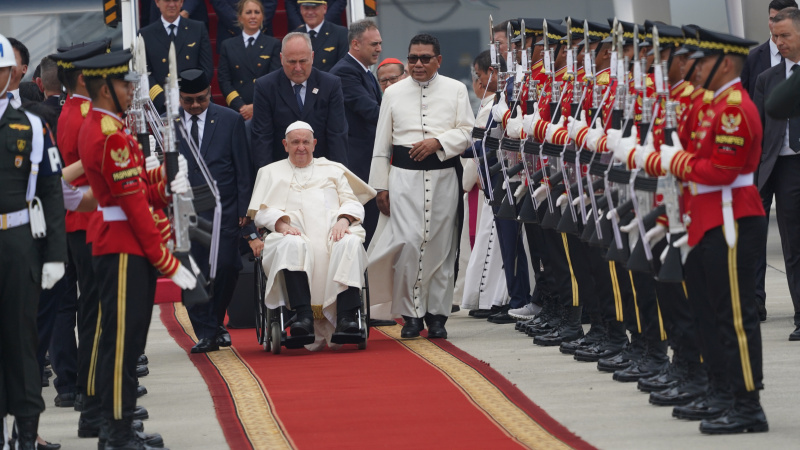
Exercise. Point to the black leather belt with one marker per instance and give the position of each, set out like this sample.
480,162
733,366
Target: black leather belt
401,159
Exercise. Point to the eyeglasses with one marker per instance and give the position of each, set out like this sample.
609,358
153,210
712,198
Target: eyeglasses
199,99
412,59
389,80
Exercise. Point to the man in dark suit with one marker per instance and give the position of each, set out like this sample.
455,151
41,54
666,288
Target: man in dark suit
192,47
298,92
220,137
362,104
765,55
329,40
333,14
780,161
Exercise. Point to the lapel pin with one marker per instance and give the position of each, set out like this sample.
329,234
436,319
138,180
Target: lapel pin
315,90
212,120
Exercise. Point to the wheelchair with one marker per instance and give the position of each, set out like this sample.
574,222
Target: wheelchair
272,324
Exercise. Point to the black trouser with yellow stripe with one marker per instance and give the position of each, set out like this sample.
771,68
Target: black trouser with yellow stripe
616,304
572,273
127,286
88,305
721,286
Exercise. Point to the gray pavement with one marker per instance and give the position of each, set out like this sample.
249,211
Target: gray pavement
607,414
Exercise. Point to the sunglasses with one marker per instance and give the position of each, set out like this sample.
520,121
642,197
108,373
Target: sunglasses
198,99
412,59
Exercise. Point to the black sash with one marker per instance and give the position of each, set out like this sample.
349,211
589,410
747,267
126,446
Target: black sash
401,159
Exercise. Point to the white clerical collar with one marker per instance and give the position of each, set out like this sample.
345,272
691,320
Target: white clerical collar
426,83
359,62
246,36
317,28
726,86
107,112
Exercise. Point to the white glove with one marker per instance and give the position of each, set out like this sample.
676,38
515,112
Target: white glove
593,136
643,151
151,162
576,125
183,165
522,189
514,125
623,146
668,152
180,185
51,273
663,255
683,245
586,200
633,225
656,233
184,278
529,121
612,214
499,110
561,200
540,194
551,129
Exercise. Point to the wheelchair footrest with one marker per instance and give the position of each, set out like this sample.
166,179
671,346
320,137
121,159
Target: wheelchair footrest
349,338
298,342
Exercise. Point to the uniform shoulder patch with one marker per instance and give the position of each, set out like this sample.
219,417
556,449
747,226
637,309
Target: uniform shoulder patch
688,90
109,126
85,107
708,96
604,78
735,98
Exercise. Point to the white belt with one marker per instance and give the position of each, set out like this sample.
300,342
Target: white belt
14,219
113,214
727,202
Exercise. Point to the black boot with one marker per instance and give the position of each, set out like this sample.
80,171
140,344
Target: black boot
712,404
27,430
745,416
595,335
614,343
547,305
690,387
633,352
435,325
654,361
569,329
546,321
90,420
411,328
122,437
668,378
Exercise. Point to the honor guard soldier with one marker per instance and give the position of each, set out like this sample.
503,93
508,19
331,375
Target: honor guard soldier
33,251
128,246
726,227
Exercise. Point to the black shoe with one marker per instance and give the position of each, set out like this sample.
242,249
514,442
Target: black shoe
45,380
412,327
141,391
153,440
682,394
481,313
143,360
89,427
762,313
223,337
708,406
654,361
381,323
140,413
570,329
668,378
79,400
203,346
502,318
741,418
137,426
795,336
65,400
455,309
47,446
607,348
435,324
592,338
302,327
142,371
633,352
346,325
501,310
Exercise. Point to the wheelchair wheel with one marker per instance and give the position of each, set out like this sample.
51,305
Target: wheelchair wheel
258,299
275,337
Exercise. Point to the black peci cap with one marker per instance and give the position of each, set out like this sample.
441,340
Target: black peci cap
193,81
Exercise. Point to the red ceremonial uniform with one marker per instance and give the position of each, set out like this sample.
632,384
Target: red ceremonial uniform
726,144
114,166
72,115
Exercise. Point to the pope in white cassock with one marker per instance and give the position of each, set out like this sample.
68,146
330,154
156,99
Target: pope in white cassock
314,258
425,122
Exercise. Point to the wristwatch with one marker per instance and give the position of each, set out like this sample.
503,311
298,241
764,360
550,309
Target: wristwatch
251,237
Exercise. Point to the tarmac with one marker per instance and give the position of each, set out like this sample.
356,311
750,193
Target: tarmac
605,413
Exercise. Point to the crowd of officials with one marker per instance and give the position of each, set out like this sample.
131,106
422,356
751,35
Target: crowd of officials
432,217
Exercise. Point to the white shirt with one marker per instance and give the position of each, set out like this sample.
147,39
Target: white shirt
167,24
359,62
302,90
785,149
201,122
317,28
774,54
16,102
246,36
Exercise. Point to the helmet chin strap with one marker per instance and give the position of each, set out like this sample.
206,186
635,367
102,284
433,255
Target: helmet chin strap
689,73
5,88
114,97
713,71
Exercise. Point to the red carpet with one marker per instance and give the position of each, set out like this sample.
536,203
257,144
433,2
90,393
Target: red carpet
395,394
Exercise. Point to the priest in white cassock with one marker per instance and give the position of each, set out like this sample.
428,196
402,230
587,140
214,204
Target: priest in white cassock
425,122
314,258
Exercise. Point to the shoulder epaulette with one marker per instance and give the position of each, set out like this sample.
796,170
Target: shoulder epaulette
85,107
697,92
109,126
688,90
708,97
603,78
735,98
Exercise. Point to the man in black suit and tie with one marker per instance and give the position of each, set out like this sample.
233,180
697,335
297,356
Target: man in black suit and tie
220,137
362,104
329,41
765,55
192,47
780,161
298,92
